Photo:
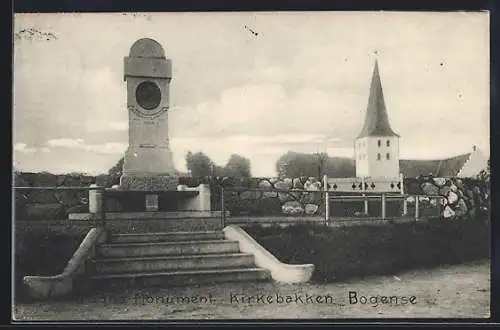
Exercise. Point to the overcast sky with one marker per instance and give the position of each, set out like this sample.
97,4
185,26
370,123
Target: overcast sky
304,78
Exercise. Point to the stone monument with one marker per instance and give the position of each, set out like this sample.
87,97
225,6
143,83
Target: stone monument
148,162
149,181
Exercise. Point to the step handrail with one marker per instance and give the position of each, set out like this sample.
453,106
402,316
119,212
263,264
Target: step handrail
61,284
280,271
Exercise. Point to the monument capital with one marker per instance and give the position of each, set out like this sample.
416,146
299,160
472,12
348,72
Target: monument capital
147,47
147,59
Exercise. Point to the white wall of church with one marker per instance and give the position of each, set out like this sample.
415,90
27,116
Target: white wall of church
477,162
361,155
377,157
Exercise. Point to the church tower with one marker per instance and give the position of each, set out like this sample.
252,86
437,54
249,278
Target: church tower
377,146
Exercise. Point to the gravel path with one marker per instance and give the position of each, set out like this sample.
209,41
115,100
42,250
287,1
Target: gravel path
451,291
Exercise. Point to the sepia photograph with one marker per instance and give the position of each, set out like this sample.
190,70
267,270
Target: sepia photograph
328,165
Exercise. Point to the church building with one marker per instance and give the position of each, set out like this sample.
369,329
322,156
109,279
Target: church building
377,146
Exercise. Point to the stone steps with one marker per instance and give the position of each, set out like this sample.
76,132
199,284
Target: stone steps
172,263
166,237
172,258
115,250
179,277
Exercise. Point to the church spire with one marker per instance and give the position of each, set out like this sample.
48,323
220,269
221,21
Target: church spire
376,120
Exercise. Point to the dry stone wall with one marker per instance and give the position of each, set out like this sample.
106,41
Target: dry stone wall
272,196
462,198
301,196
459,199
50,204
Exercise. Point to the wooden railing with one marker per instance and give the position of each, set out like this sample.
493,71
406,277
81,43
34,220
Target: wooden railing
383,199
365,197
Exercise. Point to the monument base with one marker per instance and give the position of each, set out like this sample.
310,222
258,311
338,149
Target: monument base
148,183
154,193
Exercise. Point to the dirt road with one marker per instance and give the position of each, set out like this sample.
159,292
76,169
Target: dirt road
450,291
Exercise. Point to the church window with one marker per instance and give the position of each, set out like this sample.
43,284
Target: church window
378,156
387,156
379,143
388,143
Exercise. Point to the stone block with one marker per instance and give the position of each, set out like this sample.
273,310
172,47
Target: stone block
297,184
149,183
264,184
284,197
292,208
312,186
269,194
448,212
460,184
439,181
311,197
461,208
444,190
311,209
250,194
284,184
452,197
429,188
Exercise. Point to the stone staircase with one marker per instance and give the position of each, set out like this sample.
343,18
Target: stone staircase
167,259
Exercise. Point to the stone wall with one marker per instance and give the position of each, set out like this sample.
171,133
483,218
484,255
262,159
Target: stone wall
462,198
45,205
50,204
272,196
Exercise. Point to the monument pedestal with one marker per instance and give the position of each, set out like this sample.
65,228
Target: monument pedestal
148,182
182,199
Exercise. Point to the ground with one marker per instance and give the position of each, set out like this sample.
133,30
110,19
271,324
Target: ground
450,291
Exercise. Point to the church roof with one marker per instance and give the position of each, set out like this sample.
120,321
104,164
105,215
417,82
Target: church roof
410,168
449,167
376,120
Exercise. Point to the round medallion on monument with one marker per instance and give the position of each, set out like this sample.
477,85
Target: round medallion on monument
148,95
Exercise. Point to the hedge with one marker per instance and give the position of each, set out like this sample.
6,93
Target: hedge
340,253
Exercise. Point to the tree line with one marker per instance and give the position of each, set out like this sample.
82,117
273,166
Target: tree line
290,164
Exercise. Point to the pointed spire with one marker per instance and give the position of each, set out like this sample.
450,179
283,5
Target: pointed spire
376,120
